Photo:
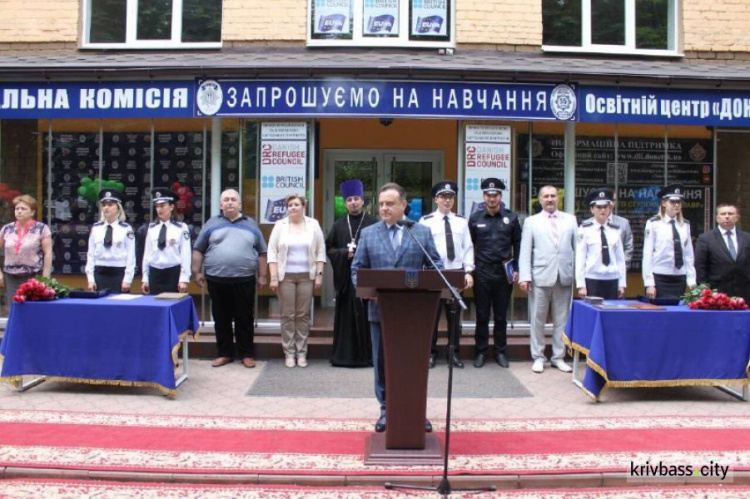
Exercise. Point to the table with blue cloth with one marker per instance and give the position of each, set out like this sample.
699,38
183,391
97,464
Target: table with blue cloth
675,346
99,341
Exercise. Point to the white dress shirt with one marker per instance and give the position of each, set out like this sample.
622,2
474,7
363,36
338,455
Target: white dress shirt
589,263
658,250
462,244
120,254
177,252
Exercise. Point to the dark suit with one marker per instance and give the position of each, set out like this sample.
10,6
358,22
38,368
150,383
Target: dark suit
375,251
714,265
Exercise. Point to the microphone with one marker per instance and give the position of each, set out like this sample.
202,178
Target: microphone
406,222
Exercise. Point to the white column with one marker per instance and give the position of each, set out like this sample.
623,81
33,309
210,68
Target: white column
215,165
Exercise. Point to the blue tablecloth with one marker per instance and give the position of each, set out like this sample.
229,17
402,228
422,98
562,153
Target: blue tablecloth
672,347
100,341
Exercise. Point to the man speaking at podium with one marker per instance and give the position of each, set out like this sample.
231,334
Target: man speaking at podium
388,245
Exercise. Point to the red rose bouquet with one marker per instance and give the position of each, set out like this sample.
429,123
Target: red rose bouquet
40,289
706,298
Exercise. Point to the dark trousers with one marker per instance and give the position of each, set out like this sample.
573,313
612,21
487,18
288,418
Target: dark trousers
491,291
456,335
233,302
163,280
670,285
606,289
109,278
378,364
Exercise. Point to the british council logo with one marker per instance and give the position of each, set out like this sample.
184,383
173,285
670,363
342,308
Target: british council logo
209,97
563,102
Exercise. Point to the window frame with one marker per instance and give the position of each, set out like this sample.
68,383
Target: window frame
403,40
674,34
131,23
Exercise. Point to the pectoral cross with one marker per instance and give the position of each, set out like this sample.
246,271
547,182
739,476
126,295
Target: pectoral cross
352,246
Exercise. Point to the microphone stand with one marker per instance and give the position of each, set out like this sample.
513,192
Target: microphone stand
444,487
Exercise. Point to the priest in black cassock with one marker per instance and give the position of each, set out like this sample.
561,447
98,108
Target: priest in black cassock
351,330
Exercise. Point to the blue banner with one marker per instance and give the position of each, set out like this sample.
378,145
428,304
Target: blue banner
410,99
93,99
657,106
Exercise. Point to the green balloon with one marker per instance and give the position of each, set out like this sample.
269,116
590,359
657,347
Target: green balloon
85,181
82,191
339,207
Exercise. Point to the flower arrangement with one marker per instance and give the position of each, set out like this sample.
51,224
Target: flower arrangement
702,297
40,289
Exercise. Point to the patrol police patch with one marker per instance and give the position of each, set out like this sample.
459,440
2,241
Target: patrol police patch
131,235
186,235
580,236
506,220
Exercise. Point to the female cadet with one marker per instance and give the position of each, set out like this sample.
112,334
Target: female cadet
166,257
668,261
600,257
110,262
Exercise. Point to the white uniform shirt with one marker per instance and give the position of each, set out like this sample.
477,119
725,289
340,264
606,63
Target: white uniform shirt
462,243
120,254
177,252
589,263
658,251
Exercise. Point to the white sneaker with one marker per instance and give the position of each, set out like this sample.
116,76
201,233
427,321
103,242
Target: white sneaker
301,361
561,365
289,362
538,366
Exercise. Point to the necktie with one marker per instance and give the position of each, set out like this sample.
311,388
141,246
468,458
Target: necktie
108,237
605,248
162,237
677,246
449,240
553,229
730,243
394,237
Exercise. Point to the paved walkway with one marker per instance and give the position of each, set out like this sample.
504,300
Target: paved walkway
222,392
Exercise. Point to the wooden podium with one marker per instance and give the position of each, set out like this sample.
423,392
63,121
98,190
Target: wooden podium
409,301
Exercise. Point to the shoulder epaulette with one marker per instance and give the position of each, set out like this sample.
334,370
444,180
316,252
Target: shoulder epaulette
459,216
427,217
613,225
98,223
685,221
654,219
123,224
153,224
587,223
176,223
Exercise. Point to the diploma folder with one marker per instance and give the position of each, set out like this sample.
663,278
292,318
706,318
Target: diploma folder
509,270
171,296
83,293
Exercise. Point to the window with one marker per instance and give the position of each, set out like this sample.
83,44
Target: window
646,27
155,24
389,23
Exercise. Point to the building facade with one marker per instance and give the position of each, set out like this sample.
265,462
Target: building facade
299,95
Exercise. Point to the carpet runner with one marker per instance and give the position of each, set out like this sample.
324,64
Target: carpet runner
223,445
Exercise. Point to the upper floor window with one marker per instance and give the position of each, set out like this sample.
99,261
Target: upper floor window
647,27
155,24
388,23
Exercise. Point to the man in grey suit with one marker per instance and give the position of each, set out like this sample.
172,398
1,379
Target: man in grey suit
547,270
626,233
387,245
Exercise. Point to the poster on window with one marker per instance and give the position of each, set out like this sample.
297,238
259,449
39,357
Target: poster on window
380,18
332,18
487,154
429,19
283,166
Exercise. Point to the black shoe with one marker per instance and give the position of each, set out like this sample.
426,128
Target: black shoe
501,360
427,426
380,425
457,362
479,360
432,360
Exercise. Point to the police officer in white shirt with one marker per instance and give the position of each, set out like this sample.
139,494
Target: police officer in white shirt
168,252
110,261
600,255
453,242
668,261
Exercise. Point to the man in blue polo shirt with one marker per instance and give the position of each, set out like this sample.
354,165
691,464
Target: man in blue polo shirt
233,250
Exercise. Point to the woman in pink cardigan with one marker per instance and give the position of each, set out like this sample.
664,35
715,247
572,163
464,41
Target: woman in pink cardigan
296,256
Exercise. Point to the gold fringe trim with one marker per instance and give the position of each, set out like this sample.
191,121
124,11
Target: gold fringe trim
16,380
574,346
176,348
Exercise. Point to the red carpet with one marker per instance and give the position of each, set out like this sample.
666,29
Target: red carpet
175,444
34,489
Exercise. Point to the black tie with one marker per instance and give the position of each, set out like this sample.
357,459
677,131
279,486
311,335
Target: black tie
108,237
605,248
677,246
449,239
162,237
732,248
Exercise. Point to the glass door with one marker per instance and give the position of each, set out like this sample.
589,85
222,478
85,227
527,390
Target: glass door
415,171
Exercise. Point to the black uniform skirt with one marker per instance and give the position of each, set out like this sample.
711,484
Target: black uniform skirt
669,285
606,289
163,280
109,278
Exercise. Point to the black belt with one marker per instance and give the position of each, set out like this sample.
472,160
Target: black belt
109,270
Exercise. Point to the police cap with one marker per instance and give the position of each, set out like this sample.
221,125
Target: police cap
110,195
444,187
163,195
599,197
675,192
492,185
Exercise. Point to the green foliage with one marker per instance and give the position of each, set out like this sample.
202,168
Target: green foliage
61,290
695,293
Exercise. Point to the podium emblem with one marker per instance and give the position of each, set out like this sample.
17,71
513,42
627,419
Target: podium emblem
411,279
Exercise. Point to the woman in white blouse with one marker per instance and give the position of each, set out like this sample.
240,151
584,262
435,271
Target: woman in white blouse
296,256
